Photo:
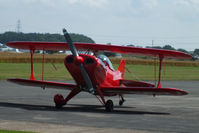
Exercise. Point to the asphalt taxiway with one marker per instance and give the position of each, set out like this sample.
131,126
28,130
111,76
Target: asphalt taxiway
21,104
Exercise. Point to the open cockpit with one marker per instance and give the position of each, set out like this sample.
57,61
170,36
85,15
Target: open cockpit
105,60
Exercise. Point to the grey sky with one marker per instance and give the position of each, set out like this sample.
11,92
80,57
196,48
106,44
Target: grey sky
138,22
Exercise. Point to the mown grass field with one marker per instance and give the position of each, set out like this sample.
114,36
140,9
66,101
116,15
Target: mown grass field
8,57
134,72
8,131
17,65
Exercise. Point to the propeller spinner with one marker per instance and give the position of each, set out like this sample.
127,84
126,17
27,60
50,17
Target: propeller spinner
79,61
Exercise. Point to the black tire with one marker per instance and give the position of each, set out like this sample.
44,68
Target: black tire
109,106
121,102
58,106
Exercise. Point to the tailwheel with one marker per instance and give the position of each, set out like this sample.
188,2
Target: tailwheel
59,101
121,102
109,106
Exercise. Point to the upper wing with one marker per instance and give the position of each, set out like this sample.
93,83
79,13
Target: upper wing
91,46
43,84
142,90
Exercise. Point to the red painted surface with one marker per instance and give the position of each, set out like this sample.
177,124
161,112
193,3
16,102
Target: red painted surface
31,61
91,46
43,66
108,81
160,71
59,99
143,90
100,75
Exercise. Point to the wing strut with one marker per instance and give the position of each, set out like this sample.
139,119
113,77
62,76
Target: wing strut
43,65
31,61
160,68
155,70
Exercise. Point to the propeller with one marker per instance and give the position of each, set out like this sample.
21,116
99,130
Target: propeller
79,61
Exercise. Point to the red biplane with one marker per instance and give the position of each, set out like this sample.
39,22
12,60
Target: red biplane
95,74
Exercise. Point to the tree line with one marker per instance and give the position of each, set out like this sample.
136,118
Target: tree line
194,53
169,47
46,37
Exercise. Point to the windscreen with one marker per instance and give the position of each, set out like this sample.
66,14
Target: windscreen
106,60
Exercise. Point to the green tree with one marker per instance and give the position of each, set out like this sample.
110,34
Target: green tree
168,47
182,50
196,52
131,45
155,47
13,36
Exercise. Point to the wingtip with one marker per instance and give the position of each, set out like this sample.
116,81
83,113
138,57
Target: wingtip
183,93
11,80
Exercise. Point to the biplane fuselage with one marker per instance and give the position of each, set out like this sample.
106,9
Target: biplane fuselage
95,74
100,73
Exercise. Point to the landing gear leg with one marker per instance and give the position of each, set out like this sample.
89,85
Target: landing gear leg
122,100
108,104
60,101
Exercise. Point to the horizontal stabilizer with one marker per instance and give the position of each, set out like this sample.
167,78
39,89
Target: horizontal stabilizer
143,91
130,83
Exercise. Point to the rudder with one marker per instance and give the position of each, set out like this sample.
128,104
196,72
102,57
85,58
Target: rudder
121,67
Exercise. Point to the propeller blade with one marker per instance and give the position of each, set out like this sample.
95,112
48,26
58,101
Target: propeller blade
70,43
87,79
75,54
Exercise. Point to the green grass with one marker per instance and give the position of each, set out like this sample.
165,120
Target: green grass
141,72
22,70
8,131
146,72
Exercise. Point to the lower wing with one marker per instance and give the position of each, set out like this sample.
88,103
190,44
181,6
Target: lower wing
105,90
142,90
43,84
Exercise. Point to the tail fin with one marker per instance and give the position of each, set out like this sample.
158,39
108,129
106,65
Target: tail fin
121,67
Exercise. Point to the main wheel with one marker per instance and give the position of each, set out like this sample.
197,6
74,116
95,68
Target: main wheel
59,101
109,106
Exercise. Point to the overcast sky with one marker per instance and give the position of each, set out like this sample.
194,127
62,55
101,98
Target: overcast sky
138,22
